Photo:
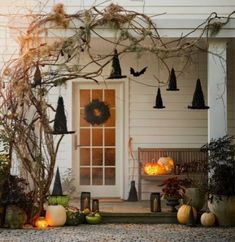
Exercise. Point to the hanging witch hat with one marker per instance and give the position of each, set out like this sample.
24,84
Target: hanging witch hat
37,79
159,103
172,85
116,72
57,189
60,122
198,98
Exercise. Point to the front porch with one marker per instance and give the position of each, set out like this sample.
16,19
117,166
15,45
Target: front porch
114,210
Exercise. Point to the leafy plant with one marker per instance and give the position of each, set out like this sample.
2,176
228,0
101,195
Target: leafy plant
14,193
221,165
173,188
68,186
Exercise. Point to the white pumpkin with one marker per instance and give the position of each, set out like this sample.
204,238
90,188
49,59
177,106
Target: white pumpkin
55,215
167,163
207,219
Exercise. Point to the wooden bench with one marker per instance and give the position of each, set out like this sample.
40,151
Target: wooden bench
184,157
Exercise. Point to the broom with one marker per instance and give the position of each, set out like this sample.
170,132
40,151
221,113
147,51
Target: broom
132,193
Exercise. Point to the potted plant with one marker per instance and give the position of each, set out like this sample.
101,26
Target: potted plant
196,184
221,182
173,190
17,201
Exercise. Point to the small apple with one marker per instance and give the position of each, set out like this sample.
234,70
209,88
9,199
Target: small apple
93,218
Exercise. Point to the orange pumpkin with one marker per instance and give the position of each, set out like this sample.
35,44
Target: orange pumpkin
152,168
184,212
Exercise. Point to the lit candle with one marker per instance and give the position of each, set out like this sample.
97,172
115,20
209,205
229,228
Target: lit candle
95,205
155,204
85,203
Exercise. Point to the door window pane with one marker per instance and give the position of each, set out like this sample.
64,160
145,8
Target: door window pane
111,121
109,97
109,137
110,176
84,156
84,97
97,157
83,122
84,137
85,176
97,176
97,94
97,137
109,157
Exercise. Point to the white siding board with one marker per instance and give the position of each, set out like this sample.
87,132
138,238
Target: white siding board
143,123
172,130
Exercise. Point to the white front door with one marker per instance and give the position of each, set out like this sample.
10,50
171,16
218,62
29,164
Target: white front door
98,153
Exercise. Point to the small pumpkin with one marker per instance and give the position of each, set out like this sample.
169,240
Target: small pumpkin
184,212
207,219
55,215
74,217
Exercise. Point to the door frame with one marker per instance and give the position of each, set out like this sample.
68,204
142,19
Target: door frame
123,88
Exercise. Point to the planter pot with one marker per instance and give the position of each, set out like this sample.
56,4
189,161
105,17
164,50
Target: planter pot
223,209
196,196
59,200
15,217
172,202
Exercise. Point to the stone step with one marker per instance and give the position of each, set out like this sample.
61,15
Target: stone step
144,218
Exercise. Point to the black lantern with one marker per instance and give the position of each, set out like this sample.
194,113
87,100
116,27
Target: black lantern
60,122
85,200
95,205
116,72
155,202
172,85
158,102
198,98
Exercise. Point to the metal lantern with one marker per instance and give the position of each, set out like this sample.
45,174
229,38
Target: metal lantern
155,202
85,200
95,205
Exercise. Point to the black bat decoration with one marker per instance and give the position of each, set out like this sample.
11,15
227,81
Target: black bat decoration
137,73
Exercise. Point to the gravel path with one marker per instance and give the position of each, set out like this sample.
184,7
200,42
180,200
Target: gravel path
120,233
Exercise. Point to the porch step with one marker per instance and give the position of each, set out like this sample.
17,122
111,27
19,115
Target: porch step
143,218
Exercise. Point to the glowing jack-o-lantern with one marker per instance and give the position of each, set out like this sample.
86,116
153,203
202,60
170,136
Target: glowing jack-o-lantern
164,165
41,223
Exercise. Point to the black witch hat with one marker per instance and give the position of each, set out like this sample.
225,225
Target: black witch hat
37,79
57,189
60,122
116,72
198,98
172,85
159,103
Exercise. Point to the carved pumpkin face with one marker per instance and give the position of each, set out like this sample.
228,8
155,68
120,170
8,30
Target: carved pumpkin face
153,168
